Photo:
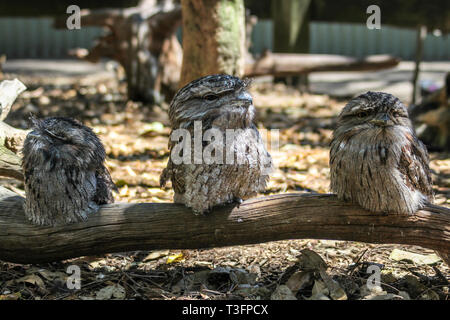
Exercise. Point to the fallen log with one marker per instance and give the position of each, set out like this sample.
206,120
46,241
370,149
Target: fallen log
152,226
290,64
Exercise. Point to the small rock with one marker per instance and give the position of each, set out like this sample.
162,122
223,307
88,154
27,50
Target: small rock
282,292
418,259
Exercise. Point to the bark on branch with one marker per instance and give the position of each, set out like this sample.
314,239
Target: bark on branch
148,226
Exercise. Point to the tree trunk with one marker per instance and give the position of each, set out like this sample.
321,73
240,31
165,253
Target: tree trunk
213,38
291,26
421,35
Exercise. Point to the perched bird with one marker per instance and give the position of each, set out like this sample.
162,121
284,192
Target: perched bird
376,160
65,175
235,164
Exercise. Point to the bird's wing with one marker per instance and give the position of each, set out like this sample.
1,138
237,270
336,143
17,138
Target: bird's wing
414,166
105,185
265,157
173,172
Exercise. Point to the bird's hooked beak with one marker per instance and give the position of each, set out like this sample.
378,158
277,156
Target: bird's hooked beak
245,98
382,120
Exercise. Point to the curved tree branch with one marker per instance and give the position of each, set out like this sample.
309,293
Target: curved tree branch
148,226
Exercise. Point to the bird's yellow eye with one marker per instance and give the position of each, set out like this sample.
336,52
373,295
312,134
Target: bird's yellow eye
210,97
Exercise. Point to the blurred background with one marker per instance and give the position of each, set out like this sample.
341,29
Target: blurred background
290,26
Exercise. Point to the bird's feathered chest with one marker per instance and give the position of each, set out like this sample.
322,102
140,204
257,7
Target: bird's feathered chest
53,158
382,170
236,146
375,147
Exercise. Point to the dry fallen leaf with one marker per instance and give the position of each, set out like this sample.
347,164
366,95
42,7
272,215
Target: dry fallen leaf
156,255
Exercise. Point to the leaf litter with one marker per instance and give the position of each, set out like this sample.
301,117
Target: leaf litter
135,138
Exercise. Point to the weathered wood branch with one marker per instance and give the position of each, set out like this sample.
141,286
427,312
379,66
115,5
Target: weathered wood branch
147,226
289,64
11,139
9,90
10,164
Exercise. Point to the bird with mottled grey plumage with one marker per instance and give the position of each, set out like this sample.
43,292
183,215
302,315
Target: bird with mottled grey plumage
65,176
229,161
376,160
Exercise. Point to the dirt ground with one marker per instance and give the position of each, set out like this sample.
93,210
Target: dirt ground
135,138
